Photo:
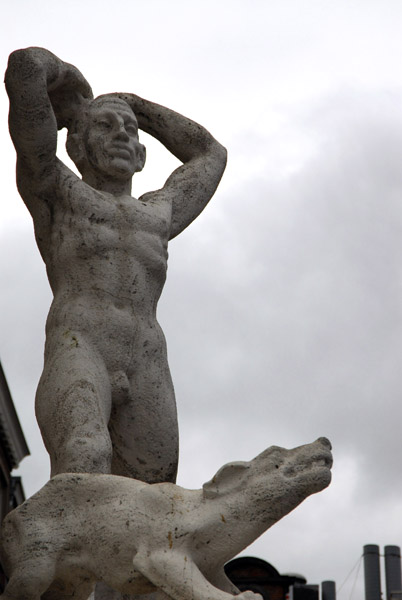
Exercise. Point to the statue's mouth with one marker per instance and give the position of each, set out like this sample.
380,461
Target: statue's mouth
120,150
324,461
321,460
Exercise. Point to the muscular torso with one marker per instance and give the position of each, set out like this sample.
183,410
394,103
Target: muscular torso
106,259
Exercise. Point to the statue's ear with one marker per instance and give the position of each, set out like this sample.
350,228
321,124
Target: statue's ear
75,149
226,480
141,156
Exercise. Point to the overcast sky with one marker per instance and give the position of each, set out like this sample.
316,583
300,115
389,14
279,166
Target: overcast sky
282,308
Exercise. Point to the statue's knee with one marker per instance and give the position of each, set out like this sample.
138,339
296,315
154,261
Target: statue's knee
85,455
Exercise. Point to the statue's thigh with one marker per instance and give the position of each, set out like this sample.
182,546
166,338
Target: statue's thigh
143,428
74,391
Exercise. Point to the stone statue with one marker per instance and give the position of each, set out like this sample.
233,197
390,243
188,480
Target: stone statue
137,537
105,402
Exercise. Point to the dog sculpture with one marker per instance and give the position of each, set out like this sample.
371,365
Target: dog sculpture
82,528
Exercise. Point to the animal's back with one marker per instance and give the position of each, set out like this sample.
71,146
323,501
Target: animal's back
78,517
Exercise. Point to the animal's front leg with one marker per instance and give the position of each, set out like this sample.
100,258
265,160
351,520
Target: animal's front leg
179,577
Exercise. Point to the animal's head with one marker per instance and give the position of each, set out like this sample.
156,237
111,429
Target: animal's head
279,476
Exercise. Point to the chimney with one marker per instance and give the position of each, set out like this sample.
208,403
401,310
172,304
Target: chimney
372,580
393,580
328,591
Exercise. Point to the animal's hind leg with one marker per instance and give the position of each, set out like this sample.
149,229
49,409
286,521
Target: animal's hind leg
28,582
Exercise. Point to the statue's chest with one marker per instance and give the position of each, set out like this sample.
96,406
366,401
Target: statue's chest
107,216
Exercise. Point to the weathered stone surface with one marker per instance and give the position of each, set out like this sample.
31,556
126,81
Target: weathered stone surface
105,402
137,537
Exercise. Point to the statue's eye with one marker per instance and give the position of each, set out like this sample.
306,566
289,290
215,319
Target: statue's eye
131,129
104,124
276,466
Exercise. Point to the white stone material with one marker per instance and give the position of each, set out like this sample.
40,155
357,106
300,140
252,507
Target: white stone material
137,537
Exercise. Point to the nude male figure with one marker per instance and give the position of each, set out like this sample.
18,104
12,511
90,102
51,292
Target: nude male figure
105,402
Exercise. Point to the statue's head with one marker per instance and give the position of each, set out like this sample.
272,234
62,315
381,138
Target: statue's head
103,139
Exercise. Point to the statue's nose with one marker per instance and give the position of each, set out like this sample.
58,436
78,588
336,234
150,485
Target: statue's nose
121,133
325,442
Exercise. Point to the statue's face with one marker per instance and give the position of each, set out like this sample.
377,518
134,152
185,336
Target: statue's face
111,140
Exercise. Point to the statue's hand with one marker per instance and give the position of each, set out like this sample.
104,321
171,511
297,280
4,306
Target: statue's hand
248,595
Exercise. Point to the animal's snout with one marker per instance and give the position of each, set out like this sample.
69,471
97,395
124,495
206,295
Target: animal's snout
325,442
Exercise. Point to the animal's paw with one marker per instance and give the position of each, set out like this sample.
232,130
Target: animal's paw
248,595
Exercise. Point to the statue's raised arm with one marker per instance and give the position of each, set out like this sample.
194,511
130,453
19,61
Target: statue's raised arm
44,92
190,187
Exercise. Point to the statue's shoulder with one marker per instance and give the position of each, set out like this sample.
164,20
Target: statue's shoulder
54,180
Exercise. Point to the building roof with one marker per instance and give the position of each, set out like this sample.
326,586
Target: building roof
11,435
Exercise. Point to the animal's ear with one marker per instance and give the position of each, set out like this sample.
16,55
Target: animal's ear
227,479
